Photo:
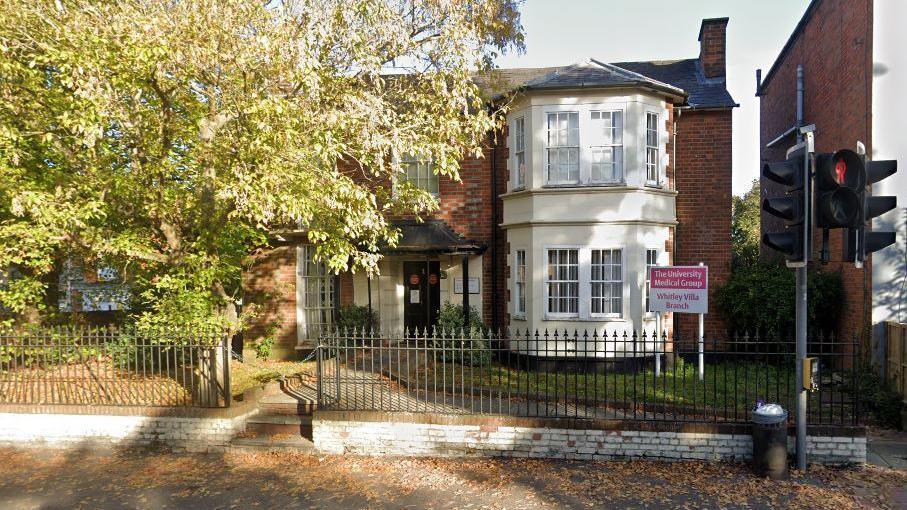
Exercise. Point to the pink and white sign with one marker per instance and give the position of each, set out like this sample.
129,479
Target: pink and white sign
682,289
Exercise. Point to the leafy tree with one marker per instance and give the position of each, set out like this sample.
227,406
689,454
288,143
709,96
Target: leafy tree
761,298
745,237
168,139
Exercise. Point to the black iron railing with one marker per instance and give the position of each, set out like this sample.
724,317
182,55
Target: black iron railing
166,367
636,376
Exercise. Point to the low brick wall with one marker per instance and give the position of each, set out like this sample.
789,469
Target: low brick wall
192,430
457,436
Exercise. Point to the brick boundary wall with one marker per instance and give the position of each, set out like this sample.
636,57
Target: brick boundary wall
179,430
435,437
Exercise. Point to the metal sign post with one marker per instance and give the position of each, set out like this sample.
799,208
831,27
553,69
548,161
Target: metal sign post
657,339
701,343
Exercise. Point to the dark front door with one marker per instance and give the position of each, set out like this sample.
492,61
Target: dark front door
421,301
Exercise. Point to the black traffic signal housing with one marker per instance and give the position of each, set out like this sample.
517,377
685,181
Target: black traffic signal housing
859,241
839,180
792,207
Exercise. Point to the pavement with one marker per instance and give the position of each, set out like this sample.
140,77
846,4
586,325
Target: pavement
887,448
98,478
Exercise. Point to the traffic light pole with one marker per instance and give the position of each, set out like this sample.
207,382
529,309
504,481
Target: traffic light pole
801,354
801,304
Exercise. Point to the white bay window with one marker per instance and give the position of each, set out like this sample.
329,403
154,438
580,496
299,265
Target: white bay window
652,171
607,283
520,283
563,282
563,147
607,146
519,147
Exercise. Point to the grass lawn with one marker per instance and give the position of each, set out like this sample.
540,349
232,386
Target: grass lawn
256,372
729,389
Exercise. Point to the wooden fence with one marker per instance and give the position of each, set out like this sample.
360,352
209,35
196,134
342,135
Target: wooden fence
896,356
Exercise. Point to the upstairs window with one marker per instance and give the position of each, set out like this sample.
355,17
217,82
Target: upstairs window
607,150
563,282
652,176
519,147
607,283
563,148
421,174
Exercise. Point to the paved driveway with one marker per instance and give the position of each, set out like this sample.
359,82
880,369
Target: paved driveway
92,478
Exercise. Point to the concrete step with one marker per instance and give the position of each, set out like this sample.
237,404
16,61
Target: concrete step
283,403
268,424
270,444
288,408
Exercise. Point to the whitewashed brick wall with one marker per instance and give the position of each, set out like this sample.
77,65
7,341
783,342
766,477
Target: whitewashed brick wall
418,439
176,433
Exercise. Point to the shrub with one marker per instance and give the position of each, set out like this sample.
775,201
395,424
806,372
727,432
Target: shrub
760,298
883,404
458,345
264,346
356,318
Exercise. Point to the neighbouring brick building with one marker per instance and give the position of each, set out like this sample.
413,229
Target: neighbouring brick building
852,88
602,171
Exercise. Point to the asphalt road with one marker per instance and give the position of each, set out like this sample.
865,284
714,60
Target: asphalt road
106,479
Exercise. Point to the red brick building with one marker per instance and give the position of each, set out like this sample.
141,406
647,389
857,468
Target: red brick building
832,35
603,170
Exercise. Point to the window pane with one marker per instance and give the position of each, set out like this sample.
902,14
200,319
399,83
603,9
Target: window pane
318,288
606,282
563,281
563,147
618,126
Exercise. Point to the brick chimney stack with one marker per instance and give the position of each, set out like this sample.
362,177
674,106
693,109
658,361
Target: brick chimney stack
712,46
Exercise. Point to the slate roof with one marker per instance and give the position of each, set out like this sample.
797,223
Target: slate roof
431,236
703,92
681,78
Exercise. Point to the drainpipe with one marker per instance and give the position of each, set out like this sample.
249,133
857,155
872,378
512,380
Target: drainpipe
799,102
370,325
466,293
494,234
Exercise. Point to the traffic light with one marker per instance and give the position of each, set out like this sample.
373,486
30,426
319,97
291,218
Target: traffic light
859,242
839,180
793,207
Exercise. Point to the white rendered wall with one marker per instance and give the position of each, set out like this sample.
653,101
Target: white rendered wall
889,111
630,216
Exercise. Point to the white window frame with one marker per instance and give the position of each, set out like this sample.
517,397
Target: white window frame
324,309
652,146
519,283
519,152
548,281
608,282
603,141
430,177
649,263
562,147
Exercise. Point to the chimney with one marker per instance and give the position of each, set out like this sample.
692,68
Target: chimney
712,47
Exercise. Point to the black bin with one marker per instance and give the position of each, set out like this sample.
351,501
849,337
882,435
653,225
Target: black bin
770,441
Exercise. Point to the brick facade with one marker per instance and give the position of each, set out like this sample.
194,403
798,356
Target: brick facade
703,180
464,206
271,284
699,168
834,35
